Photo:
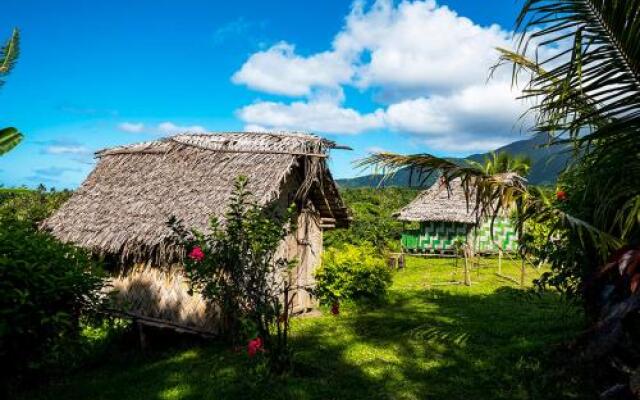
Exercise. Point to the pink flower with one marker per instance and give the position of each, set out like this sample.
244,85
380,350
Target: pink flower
335,308
254,346
196,254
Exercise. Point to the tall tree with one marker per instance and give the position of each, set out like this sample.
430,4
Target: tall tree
9,137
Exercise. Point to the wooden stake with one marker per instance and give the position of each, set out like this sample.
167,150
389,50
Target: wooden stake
141,335
500,261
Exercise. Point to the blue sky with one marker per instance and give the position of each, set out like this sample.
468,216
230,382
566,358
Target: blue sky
398,76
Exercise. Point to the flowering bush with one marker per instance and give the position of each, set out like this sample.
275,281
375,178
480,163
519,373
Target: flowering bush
254,346
351,272
196,254
235,267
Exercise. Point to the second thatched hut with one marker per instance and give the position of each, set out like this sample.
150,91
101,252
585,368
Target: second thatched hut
442,216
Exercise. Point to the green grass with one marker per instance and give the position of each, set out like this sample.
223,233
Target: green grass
487,341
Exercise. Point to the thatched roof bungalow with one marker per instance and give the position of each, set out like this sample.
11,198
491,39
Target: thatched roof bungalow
122,209
444,215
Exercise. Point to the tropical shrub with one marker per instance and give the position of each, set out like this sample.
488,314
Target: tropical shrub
352,272
31,205
46,288
373,221
235,267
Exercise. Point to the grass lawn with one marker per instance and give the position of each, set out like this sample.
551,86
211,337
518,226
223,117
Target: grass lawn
430,341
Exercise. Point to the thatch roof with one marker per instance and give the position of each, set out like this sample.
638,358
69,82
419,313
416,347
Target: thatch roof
123,206
441,203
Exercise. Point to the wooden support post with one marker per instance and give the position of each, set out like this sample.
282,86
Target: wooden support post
141,335
500,261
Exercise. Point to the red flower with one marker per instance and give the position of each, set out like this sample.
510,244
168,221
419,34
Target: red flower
561,195
196,254
335,308
254,346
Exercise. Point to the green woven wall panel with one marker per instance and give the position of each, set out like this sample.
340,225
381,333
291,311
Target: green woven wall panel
435,236
504,233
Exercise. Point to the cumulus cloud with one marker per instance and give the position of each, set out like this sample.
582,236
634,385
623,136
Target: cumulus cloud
169,128
419,45
483,109
166,128
324,117
131,127
427,65
279,70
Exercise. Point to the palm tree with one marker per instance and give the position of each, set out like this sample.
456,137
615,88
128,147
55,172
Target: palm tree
502,162
587,93
9,137
592,97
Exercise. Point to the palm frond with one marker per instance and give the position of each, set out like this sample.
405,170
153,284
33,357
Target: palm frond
424,165
491,193
602,64
9,53
9,138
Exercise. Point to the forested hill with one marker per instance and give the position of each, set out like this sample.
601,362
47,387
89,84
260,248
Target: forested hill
547,163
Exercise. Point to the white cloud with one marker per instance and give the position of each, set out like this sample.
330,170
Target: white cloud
483,109
324,117
164,128
131,127
279,70
169,128
419,45
429,64
474,118
66,149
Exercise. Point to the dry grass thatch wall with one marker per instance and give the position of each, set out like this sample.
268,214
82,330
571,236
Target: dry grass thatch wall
162,294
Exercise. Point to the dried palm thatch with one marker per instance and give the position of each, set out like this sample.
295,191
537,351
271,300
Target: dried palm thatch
123,206
441,203
450,201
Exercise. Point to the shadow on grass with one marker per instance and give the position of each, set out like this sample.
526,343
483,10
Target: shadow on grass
423,344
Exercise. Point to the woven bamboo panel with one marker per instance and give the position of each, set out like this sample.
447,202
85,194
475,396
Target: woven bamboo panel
504,234
434,236
162,293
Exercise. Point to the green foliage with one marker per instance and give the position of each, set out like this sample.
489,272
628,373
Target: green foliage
372,218
9,137
485,341
352,272
236,268
501,162
31,205
45,289
9,53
